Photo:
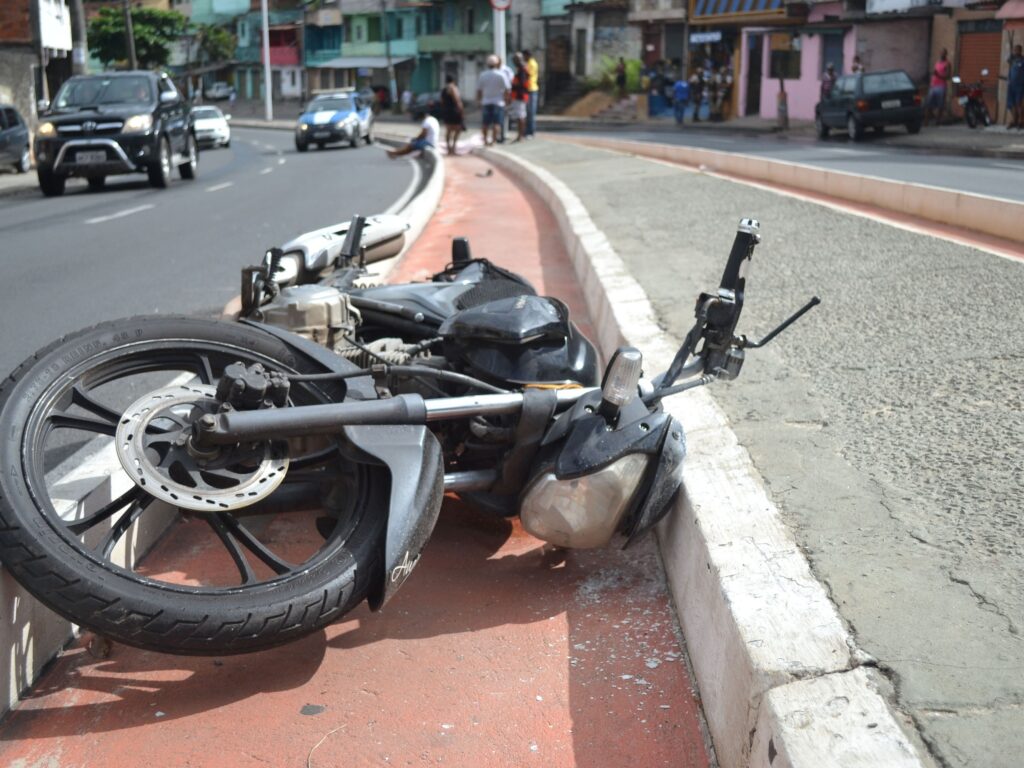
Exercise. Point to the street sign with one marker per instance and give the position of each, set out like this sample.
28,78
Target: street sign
500,5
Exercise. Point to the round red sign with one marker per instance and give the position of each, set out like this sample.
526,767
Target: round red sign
501,5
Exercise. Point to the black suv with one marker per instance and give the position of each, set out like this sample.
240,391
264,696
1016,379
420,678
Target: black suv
13,139
117,122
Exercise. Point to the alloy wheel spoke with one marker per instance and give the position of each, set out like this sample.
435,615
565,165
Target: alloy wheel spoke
254,545
81,526
84,400
133,513
83,423
244,568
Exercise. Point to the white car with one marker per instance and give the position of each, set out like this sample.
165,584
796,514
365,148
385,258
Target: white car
212,129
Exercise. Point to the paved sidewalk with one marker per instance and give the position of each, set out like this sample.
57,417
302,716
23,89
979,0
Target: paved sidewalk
499,651
886,441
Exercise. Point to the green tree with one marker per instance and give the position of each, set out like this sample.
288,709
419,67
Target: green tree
216,44
156,32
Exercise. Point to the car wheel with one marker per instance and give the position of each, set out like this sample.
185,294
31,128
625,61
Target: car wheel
914,127
369,134
820,127
301,146
854,129
24,164
97,183
188,169
160,171
51,183
354,141
227,143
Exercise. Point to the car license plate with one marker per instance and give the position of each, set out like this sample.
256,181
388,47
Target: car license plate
321,134
98,156
890,103
962,100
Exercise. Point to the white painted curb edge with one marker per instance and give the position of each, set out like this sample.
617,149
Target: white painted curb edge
778,673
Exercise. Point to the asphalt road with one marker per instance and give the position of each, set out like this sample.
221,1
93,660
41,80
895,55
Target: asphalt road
887,423
72,261
977,175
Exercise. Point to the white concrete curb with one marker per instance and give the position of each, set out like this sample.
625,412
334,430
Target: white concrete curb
778,673
993,216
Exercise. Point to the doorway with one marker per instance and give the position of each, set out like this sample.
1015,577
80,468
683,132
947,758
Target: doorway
755,56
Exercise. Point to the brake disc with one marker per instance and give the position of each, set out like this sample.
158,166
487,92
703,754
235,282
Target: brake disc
152,443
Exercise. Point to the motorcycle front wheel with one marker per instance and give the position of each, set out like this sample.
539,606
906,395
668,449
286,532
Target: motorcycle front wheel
78,532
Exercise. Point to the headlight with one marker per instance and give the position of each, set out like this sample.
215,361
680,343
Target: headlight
287,269
46,129
582,512
304,127
138,124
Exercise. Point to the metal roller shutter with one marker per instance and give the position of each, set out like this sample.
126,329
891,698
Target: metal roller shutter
978,51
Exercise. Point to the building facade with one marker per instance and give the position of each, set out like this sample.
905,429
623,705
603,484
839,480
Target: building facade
35,51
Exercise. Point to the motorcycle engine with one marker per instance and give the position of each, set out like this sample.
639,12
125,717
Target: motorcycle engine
326,316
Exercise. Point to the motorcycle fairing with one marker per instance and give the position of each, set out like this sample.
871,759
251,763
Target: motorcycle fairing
411,454
664,486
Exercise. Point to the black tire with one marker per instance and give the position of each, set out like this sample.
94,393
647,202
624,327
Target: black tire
354,141
190,167
51,183
971,115
82,584
301,146
24,164
820,127
854,129
97,183
369,134
160,171
914,127
227,144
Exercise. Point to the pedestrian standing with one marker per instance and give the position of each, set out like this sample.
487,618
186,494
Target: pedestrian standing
680,98
696,88
941,73
620,77
491,91
828,81
856,67
1015,88
453,114
519,96
533,69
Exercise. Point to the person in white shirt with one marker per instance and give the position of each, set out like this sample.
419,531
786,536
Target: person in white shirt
425,139
491,91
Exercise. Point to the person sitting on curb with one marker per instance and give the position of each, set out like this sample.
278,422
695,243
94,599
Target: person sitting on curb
425,139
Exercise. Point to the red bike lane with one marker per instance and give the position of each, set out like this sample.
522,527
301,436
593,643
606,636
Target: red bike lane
498,651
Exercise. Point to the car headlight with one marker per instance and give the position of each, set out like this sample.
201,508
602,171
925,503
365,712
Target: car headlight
304,127
586,511
138,124
46,129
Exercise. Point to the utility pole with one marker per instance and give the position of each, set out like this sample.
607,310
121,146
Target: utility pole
392,85
78,56
268,82
499,32
129,35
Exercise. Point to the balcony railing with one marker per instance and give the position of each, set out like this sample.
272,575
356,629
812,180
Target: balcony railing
280,55
476,42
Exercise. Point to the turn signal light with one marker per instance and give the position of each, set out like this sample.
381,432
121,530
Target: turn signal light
862,105
917,99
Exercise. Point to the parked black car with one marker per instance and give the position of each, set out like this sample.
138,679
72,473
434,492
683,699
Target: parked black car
13,139
870,100
117,122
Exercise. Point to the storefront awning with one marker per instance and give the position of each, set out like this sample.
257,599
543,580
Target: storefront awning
1012,9
703,9
362,62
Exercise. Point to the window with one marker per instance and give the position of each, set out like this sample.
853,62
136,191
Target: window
883,82
785,57
11,118
470,20
846,86
360,33
373,34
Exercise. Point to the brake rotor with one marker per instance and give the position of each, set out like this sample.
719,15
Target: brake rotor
152,443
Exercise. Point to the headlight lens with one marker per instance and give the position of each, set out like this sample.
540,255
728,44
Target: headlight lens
288,269
582,512
138,124
304,127
46,129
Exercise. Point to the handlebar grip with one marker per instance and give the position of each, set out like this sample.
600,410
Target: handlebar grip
748,234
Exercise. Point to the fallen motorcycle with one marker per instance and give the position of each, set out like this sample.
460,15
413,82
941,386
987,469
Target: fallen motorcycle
352,407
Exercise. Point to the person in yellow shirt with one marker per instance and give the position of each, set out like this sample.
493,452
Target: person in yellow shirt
533,70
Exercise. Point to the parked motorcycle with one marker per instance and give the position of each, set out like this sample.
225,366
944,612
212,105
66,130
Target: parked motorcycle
971,98
365,404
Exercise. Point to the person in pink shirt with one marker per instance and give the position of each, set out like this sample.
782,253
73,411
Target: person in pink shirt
941,74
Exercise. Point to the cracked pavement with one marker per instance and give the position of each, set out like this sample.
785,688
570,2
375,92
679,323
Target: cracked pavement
887,423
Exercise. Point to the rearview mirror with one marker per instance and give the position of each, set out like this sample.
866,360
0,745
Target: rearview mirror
168,97
42,105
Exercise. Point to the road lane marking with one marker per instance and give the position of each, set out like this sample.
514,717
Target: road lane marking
119,214
265,171
218,187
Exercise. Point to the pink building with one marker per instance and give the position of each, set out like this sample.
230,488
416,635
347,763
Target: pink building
800,54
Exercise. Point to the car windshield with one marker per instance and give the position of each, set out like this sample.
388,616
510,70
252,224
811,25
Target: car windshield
333,104
93,91
207,113
882,82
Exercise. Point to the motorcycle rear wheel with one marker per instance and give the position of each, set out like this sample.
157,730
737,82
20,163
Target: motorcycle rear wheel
275,582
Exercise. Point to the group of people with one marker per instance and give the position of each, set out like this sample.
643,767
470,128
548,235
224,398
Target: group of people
707,89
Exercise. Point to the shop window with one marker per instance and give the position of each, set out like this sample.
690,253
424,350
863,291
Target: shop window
785,57
373,29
